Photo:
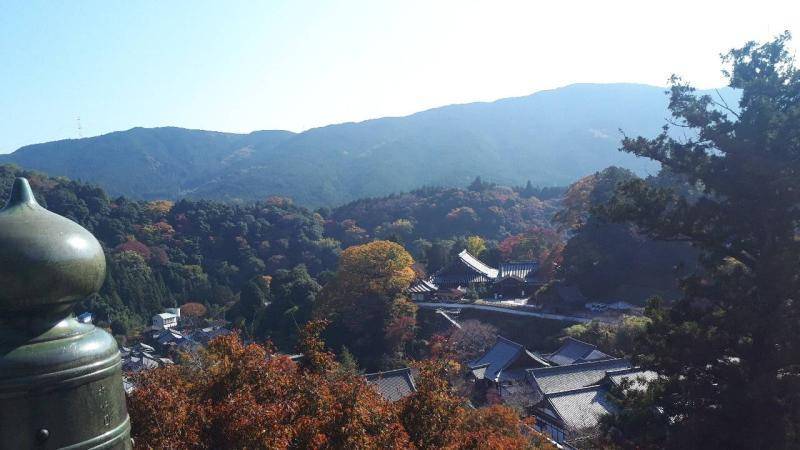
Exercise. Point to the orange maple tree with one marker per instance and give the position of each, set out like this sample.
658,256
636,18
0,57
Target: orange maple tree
235,395
194,309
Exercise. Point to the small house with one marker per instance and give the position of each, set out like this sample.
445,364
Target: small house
164,321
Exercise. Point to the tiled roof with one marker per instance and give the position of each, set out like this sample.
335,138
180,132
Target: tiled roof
127,385
575,376
169,336
85,317
444,280
536,357
638,378
479,371
501,355
574,351
143,361
594,355
142,347
394,384
478,265
141,357
421,286
582,408
519,269
205,335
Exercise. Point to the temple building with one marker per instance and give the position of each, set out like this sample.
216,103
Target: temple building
517,279
569,401
567,391
466,270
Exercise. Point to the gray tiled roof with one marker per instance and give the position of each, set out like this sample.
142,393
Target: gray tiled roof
127,385
142,347
394,384
445,280
519,269
421,286
501,355
574,351
594,355
582,408
168,336
575,376
638,378
140,361
205,335
479,371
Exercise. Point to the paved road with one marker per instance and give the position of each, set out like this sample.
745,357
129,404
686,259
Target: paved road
503,310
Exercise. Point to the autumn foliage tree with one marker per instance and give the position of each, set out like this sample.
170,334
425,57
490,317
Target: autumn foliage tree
247,396
366,303
193,309
193,313
466,343
235,396
538,243
376,268
476,245
435,417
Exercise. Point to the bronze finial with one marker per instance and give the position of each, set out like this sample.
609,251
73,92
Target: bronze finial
60,380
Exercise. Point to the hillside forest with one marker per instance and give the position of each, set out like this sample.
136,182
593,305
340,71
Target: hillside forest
264,265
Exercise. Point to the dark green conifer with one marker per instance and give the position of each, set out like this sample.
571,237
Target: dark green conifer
730,349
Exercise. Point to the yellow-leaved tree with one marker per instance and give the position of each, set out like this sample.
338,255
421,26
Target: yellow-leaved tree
366,302
476,245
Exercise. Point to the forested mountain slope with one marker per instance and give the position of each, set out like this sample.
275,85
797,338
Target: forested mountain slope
550,137
154,163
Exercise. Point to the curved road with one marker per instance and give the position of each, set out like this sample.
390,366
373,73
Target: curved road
503,310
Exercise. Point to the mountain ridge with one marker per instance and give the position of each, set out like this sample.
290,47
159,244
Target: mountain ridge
551,137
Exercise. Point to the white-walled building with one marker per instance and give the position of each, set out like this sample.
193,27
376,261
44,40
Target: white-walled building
165,320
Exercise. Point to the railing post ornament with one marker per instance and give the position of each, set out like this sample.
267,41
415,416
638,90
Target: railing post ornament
60,380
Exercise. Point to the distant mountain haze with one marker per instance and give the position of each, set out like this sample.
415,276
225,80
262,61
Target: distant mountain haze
550,137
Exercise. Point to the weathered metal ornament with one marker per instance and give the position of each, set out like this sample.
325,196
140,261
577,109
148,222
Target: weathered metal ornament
60,380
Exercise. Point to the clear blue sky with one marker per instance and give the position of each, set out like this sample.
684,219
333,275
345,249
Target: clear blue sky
243,66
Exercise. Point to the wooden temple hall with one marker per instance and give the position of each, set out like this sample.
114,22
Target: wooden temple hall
518,279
